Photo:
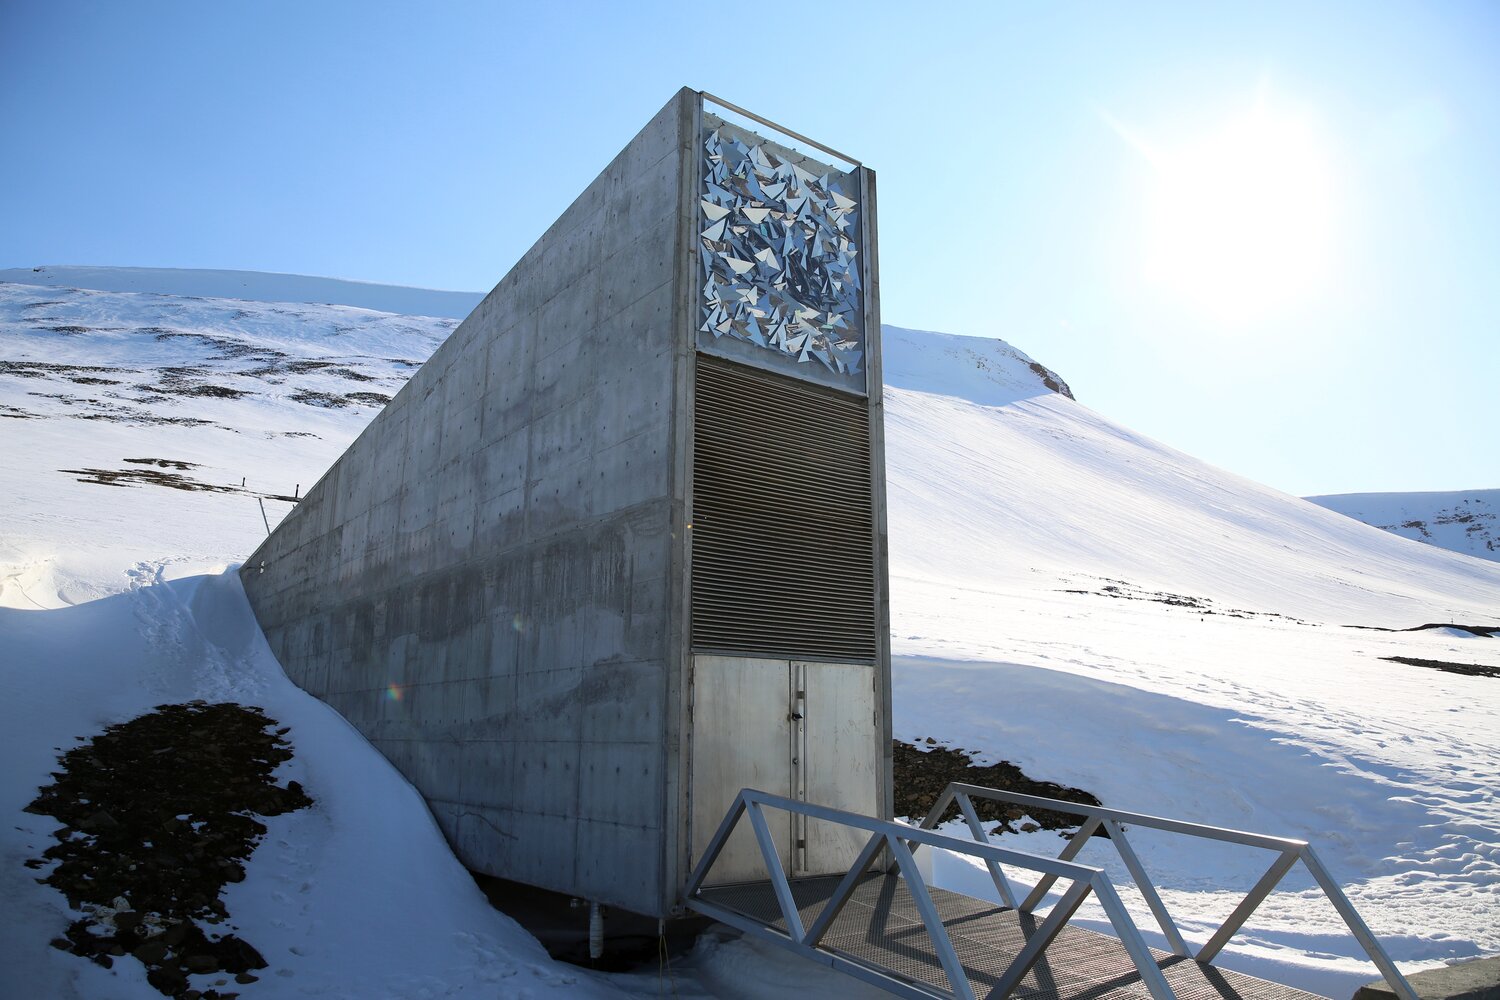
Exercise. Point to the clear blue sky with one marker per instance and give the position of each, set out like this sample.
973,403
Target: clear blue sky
1268,235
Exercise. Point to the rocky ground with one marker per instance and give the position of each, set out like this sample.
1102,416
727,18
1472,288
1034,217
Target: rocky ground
158,814
923,771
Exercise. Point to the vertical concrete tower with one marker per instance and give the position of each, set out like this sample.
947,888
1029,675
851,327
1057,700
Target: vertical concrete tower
618,549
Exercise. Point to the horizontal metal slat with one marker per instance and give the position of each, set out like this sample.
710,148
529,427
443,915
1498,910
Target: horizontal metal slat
710,543
764,581
726,569
808,647
774,609
756,476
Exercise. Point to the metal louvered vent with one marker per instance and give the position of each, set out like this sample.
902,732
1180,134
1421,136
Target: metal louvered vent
783,540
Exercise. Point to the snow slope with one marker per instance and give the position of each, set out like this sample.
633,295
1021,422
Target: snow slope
356,896
1101,609
1466,521
1114,615
262,394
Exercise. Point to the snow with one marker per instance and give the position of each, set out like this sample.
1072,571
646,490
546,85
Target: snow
1258,708
144,348
1101,609
356,896
1466,521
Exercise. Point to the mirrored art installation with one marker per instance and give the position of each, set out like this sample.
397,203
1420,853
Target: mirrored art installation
779,247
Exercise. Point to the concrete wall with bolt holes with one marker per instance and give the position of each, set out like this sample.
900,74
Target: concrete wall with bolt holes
484,583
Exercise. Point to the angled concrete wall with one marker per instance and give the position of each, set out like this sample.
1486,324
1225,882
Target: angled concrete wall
495,582
484,584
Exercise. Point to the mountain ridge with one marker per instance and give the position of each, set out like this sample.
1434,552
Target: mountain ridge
1463,521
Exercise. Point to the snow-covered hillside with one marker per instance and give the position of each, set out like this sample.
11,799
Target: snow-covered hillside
1466,521
1093,605
175,418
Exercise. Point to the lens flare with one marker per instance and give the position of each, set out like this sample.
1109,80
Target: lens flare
1241,220
393,692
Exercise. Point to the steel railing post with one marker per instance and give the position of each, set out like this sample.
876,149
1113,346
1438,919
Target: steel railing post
777,874
958,979
997,874
1040,938
1069,852
1361,931
1144,886
845,890
716,844
1130,937
1257,894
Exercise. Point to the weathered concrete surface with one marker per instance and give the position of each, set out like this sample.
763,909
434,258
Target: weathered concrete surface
482,583
493,582
1478,979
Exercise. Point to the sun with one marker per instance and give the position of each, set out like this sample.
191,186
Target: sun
1239,221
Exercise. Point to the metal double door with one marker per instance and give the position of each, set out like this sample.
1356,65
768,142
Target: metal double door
804,729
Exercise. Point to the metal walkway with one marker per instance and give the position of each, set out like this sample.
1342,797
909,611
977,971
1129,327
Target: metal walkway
882,923
882,928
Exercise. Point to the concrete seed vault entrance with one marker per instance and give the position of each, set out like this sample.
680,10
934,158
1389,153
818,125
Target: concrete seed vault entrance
617,550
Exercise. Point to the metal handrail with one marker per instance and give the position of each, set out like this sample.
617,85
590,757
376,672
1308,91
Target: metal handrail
898,840
778,128
1289,852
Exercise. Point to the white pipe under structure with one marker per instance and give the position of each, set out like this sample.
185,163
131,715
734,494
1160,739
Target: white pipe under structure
596,931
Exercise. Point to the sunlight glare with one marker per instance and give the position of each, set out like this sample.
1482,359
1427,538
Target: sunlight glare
1240,222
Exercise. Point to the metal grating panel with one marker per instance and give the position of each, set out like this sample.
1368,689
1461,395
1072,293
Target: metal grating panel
783,540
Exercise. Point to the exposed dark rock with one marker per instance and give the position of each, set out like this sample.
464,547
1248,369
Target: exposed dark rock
1126,591
333,401
369,398
42,369
171,480
1050,379
326,400
1479,630
922,774
1468,669
165,463
1483,631
146,477
158,815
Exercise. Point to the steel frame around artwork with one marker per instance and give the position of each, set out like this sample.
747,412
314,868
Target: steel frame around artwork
898,842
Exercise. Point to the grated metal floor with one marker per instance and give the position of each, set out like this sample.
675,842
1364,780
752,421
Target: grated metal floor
880,928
